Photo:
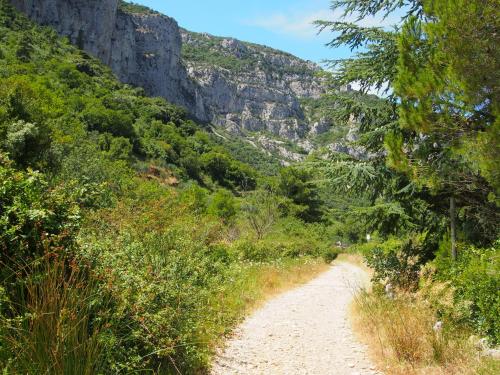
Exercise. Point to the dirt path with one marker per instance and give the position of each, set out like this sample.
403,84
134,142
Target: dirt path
303,331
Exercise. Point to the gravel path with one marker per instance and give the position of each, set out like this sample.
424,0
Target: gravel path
303,331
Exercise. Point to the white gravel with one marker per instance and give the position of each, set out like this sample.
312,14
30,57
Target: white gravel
303,331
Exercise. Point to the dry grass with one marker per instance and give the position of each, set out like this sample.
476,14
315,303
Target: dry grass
271,280
402,340
276,281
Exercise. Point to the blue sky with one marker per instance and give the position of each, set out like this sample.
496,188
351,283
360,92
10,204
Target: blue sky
281,24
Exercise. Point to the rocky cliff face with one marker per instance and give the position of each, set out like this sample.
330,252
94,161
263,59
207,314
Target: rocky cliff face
143,48
89,24
146,52
247,87
243,87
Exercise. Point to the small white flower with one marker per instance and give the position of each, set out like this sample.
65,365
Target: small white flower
438,327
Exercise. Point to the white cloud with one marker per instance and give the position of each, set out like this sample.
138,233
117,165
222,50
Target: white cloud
291,23
300,24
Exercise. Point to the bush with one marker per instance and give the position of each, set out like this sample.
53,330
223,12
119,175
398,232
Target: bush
475,279
228,172
223,205
105,120
397,262
261,211
196,198
330,254
33,218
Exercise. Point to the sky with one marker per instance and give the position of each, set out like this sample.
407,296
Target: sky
282,24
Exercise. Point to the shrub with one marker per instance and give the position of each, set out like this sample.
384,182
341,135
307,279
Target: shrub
397,262
330,254
261,211
228,172
223,205
162,285
105,120
195,197
32,217
475,278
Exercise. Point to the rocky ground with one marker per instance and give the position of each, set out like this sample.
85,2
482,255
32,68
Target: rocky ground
304,331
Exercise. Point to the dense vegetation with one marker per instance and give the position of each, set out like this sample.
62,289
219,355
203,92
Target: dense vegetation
428,194
134,8
131,241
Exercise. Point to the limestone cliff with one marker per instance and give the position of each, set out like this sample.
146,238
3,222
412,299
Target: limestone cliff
248,87
142,48
146,52
90,24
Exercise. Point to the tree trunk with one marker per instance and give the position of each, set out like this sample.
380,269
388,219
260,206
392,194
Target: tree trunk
453,229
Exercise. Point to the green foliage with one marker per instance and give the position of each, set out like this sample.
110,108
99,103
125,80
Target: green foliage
449,103
48,320
261,211
228,172
106,267
195,198
131,7
33,217
433,137
247,153
297,185
223,205
475,278
61,323
397,262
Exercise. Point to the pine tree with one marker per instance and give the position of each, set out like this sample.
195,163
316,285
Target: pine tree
447,81
436,123
395,204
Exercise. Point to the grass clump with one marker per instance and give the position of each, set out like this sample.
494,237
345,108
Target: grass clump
403,340
62,325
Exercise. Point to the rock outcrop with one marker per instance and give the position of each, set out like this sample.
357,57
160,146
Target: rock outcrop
248,87
90,24
146,52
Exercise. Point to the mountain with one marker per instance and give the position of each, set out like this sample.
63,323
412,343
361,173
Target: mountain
248,90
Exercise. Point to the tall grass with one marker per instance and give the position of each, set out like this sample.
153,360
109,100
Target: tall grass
401,334
59,329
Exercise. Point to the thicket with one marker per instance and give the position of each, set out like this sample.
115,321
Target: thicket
125,230
132,7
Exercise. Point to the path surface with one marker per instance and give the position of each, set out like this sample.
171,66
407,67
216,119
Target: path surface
303,331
